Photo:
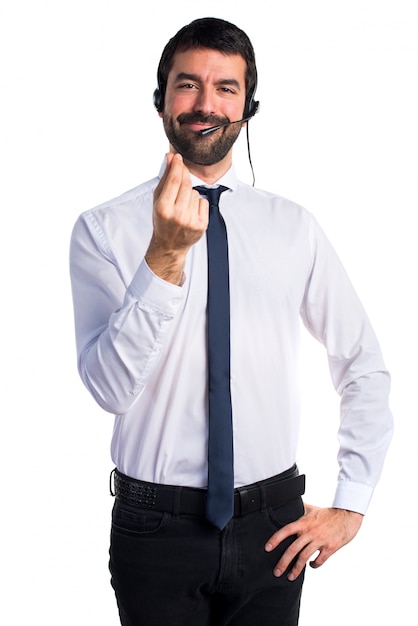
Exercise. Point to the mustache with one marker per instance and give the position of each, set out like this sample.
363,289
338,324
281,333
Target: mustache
193,118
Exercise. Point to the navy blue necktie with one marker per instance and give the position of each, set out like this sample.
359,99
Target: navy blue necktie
220,496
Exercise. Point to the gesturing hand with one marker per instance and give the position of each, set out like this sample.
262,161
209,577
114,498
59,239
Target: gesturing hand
323,530
180,218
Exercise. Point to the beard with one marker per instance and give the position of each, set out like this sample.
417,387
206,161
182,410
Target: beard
195,148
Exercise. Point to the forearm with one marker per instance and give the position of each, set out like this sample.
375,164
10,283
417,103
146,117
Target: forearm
116,366
334,314
167,264
120,328
364,435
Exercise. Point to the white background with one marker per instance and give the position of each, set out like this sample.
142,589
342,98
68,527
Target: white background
337,132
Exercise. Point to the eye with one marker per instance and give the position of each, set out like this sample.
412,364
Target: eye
187,86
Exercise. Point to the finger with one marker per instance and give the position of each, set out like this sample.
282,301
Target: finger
299,565
304,557
296,553
320,559
295,558
281,535
186,195
167,189
322,555
315,563
193,208
168,159
203,212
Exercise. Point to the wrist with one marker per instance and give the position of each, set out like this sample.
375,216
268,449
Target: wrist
166,264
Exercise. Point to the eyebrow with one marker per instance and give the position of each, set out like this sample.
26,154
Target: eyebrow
194,77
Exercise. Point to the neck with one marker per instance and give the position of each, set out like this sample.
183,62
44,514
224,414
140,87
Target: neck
209,174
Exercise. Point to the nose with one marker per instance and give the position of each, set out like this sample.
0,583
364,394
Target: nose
204,102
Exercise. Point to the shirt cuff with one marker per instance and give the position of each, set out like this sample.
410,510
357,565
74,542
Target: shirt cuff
352,496
154,293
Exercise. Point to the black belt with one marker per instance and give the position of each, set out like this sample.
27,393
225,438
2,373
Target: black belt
189,501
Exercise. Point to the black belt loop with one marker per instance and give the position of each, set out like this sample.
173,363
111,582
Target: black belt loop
242,501
176,501
263,497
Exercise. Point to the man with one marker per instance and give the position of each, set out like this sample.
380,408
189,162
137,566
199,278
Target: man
139,269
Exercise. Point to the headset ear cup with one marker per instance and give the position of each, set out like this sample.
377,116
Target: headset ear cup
252,105
158,100
251,108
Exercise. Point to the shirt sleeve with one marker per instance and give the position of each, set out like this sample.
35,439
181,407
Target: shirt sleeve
333,314
119,328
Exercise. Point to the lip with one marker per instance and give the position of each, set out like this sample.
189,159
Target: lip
197,126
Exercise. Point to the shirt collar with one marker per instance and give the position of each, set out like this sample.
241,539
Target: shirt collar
229,179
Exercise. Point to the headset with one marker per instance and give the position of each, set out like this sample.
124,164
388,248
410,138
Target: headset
251,108
251,104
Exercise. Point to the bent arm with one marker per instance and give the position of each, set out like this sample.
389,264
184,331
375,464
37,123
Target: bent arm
335,316
119,328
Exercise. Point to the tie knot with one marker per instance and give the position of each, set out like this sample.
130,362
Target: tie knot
211,193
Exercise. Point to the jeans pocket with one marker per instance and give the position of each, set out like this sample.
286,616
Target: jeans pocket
131,520
286,513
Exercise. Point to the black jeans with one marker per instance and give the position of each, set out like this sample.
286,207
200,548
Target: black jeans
181,571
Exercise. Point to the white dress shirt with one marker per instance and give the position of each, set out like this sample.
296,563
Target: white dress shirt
141,342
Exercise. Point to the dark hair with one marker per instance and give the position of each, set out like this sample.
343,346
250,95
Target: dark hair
212,33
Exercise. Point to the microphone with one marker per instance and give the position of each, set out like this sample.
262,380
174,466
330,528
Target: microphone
212,129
